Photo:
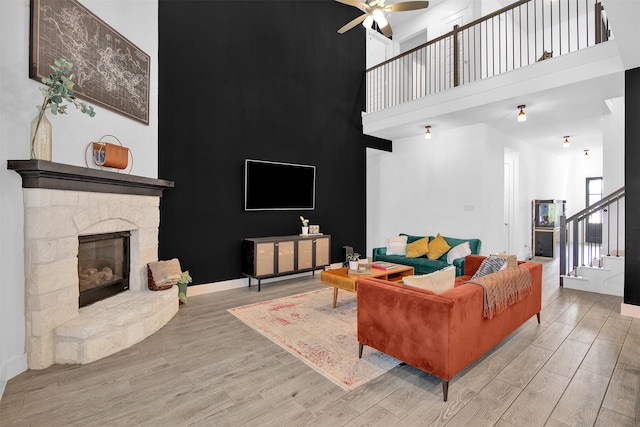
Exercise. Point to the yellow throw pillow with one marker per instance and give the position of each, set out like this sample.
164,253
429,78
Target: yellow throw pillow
438,247
438,281
418,248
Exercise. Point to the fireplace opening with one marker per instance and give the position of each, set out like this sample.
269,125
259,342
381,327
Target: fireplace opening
103,266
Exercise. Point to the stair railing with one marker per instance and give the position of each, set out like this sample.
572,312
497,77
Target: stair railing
591,233
518,35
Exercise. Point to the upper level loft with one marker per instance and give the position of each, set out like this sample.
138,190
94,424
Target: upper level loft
531,45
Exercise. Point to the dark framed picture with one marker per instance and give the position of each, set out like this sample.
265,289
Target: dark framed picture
110,70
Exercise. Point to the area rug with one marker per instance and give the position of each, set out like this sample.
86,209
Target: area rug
323,337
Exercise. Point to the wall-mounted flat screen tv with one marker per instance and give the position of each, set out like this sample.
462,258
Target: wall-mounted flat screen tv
278,186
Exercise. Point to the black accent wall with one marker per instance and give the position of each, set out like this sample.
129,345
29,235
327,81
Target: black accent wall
632,187
268,80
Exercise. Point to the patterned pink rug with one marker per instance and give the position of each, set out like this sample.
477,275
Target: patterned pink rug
323,337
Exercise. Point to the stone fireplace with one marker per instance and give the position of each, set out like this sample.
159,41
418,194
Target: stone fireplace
63,205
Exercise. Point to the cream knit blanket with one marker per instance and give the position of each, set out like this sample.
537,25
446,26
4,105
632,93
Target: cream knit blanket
503,288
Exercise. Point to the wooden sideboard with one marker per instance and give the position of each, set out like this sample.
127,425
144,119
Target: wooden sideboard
264,257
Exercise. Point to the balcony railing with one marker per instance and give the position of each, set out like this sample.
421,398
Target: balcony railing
521,34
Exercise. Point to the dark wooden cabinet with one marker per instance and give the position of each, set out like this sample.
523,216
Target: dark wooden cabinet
264,257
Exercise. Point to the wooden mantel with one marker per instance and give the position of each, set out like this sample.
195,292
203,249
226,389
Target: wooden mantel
57,176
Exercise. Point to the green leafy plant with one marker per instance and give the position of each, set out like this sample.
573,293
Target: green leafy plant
59,92
183,283
305,222
353,257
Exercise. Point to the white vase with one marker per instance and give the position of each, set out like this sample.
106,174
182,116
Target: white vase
305,230
353,265
41,138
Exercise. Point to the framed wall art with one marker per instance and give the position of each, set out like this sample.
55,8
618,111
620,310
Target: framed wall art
110,70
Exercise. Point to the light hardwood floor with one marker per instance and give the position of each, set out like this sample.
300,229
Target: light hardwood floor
581,366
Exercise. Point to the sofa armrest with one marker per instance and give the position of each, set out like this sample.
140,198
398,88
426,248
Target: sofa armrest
458,263
378,252
416,328
472,263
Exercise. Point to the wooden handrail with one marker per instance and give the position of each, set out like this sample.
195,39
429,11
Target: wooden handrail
485,47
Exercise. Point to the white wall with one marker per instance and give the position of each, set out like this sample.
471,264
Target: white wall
426,187
451,184
137,20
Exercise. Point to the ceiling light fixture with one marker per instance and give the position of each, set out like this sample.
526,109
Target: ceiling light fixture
566,142
522,117
368,22
586,153
427,132
379,17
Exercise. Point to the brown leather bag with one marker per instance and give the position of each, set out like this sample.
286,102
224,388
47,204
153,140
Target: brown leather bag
110,155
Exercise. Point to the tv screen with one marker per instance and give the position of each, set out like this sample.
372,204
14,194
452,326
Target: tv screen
278,186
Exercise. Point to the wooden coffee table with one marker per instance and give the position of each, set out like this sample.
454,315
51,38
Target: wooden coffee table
345,279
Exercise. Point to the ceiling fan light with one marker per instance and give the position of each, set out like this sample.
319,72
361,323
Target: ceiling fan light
368,22
379,17
522,117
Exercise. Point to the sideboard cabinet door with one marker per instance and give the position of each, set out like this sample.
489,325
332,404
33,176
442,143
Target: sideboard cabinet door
305,254
323,248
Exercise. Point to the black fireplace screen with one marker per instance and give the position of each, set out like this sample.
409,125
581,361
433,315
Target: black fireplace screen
103,266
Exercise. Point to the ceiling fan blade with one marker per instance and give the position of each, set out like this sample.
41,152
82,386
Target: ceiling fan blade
353,23
386,30
407,5
355,3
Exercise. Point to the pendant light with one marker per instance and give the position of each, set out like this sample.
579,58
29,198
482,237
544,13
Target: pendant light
566,142
427,132
522,117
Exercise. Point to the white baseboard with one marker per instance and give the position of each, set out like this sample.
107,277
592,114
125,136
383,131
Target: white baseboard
630,310
208,288
10,369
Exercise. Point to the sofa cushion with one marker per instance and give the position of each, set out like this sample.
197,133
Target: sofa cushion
396,245
512,260
438,281
437,247
491,264
460,251
418,248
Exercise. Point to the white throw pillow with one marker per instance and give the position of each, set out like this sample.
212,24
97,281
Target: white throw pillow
397,245
438,281
460,251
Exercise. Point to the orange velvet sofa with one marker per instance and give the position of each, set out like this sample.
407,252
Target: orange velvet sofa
439,333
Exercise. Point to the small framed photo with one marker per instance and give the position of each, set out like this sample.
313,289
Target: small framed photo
314,229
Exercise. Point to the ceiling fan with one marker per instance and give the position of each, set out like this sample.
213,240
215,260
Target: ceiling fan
374,12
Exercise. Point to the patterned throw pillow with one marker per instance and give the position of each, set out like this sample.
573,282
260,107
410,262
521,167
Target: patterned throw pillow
491,264
396,245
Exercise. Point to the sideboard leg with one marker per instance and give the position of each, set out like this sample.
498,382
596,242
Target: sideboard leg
259,283
360,347
538,316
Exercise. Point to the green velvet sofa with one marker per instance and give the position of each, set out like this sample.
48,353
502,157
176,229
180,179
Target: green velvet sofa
424,265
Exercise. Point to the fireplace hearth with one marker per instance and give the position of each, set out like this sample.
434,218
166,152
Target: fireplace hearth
103,266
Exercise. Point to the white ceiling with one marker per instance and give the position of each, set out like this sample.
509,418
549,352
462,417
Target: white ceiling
571,109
